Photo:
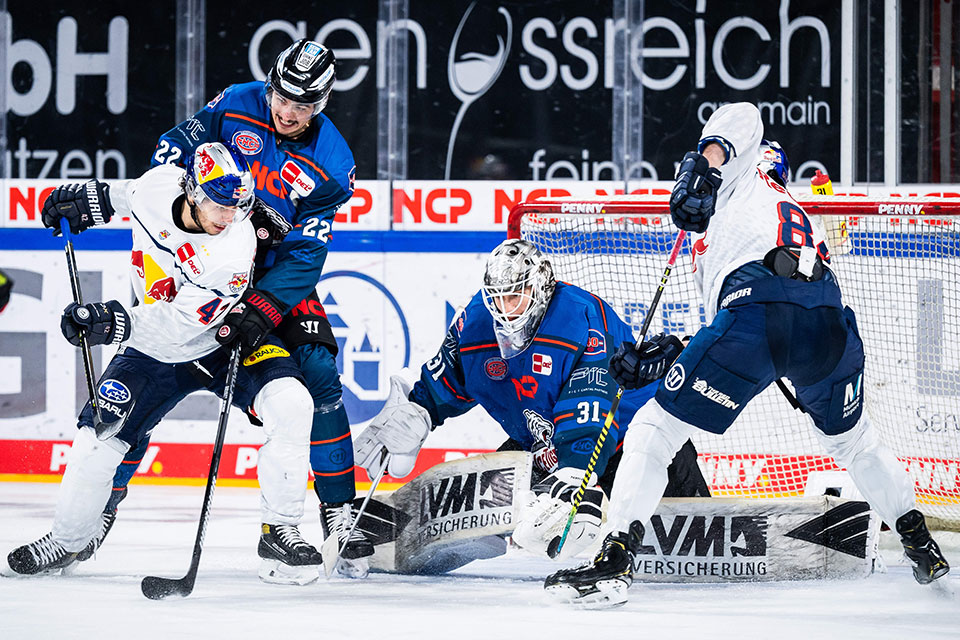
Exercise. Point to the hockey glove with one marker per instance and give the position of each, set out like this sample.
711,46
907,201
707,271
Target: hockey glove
546,507
98,322
400,428
83,205
271,227
6,284
694,194
634,367
250,321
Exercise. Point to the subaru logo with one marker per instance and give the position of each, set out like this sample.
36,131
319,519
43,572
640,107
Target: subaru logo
114,391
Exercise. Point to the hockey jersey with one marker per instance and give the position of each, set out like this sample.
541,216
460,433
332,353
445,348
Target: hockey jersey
305,180
553,397
183,281
754,214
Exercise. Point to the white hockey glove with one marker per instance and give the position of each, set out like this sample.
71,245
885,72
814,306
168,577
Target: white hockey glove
400,428
545,508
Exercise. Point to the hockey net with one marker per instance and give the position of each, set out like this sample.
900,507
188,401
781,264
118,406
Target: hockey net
898,261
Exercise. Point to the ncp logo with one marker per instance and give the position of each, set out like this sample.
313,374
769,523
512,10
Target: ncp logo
372,335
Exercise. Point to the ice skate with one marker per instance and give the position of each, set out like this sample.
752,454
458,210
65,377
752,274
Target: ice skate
106,523
43,557
922,550
286,557
337,519
605,581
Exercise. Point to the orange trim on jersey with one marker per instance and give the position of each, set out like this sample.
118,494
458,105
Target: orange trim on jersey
310,163
240,116
453,391
132,461
562,416
337,439
335,473
613,423
476,347
602,311
568,345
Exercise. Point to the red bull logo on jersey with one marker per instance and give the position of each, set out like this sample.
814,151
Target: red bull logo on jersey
162,290
297,178
136,259
187,256
248,142
237,282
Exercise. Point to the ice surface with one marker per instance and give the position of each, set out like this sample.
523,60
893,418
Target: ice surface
493,599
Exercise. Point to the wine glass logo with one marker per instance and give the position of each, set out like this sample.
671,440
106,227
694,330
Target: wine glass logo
473,74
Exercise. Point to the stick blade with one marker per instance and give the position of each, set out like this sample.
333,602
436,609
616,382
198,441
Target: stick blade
157,588
330,554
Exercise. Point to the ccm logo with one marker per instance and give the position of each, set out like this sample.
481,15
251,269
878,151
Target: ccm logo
296,178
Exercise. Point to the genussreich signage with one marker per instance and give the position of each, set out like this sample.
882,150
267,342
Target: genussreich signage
520,91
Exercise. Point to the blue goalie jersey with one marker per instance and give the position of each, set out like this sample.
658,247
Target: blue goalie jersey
552,398
305,180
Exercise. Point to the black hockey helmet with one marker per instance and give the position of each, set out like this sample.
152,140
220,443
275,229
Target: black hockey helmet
304,72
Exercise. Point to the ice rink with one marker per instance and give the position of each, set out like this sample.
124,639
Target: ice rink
500,598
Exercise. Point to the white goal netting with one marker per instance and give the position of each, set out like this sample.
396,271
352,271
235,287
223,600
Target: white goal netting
899,270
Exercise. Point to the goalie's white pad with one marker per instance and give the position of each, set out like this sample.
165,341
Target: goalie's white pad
400,428
545,509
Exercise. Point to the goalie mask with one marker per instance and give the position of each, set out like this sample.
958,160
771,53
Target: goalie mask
517,287
773,162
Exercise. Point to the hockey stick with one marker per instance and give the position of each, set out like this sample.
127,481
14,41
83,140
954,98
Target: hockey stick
554,551
155,587
329,546
84,345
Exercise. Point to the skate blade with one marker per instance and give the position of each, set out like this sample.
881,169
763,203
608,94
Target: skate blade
276,572
609,594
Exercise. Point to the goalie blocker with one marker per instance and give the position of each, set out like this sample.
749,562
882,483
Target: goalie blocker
463,510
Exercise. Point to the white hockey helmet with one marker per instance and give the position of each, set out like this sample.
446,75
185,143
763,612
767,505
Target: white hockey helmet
517,287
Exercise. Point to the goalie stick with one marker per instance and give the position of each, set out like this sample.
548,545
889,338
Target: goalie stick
553,549
84,345
155,587
329,546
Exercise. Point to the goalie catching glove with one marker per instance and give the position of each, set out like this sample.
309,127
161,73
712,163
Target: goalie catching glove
400,428
546,507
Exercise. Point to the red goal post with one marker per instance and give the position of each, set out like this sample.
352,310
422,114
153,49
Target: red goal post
898,261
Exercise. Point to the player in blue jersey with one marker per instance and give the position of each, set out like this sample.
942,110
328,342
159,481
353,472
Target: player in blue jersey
534,353
304,171
775,312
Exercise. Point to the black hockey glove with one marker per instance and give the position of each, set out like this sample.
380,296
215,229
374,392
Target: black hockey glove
694,195
6,284
83,205
271,227
99,322
250,321
633,368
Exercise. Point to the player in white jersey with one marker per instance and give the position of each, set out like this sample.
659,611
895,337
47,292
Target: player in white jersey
193,249
775,312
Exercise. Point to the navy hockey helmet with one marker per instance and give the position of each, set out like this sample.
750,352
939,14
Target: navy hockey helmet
219,172
773,162
304,72
517,287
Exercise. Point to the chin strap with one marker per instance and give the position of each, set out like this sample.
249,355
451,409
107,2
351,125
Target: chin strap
193,214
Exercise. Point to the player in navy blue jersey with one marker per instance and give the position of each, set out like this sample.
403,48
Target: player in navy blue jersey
775,311
534,353
303,171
